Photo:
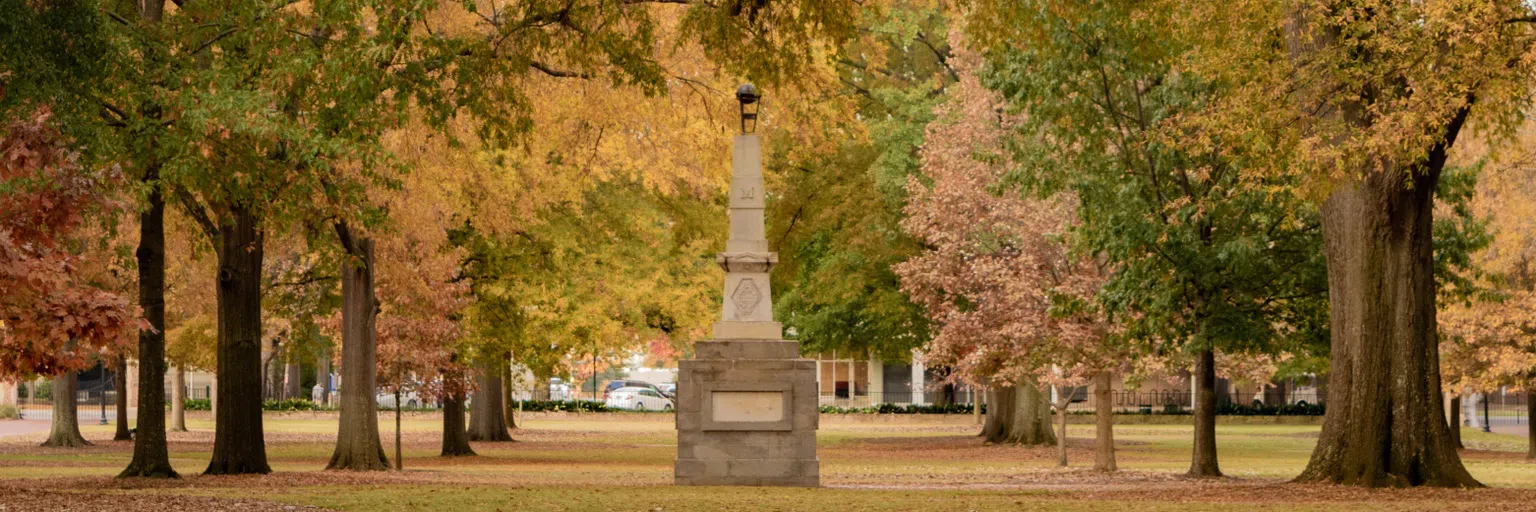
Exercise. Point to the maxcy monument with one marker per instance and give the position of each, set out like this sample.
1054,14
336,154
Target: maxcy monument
746,402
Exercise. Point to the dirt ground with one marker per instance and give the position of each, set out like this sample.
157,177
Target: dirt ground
624,463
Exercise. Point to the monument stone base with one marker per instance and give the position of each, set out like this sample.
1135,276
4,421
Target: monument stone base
747,415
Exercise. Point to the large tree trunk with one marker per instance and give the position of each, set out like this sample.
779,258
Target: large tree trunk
239,447
399,457
999,408
323,375
357,438
1063,399
946,396
1530,422
508,402
120,392
1453,420
977,403
293,383
455,435
1104,422
1203,461
178,401
1383,424
151,457
65,431
1023,416
272,373
486,422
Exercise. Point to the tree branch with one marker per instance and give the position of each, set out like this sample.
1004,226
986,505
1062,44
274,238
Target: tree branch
198,212
557,73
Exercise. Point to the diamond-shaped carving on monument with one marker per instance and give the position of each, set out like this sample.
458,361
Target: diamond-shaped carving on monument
746,297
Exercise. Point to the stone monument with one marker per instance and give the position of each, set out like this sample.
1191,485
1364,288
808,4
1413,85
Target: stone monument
746,403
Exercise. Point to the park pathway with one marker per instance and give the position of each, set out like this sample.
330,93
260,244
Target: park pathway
22,427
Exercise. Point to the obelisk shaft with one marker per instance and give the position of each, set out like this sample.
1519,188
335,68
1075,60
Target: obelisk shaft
747,312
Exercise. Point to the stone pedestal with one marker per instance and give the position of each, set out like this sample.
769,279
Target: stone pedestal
747,415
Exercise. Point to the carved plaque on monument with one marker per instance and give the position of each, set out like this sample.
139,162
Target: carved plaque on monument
747,406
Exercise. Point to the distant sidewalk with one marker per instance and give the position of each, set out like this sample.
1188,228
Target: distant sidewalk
22,427
1519,430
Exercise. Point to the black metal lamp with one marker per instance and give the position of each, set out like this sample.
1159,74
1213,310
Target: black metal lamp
1487,426
103,388
747,94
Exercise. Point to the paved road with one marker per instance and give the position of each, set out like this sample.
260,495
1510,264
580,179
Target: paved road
22,427
1519,430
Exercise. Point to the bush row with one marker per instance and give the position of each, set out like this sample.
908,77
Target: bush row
903,409
1255,409
301,404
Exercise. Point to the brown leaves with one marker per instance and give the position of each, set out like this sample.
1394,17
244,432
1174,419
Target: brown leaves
53,318
998,270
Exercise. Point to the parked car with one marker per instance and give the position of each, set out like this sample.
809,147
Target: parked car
616,384
558,389
638,399
669,389
386,399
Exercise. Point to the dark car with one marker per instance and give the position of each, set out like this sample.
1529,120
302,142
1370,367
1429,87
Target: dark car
625,383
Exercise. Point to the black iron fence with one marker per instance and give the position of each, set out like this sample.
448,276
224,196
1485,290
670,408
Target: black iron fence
95,400
1498,409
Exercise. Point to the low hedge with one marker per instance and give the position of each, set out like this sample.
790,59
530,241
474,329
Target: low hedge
293,404
556,405
903,409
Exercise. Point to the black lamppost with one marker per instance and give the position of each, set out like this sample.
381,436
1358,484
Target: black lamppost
1487,427
103,388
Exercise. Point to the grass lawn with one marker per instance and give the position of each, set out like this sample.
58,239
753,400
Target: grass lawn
624,462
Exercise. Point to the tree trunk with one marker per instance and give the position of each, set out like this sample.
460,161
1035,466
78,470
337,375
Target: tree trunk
323,375
1530,423
977,402
272,373
239,447
178,401
946,396
999,409
65,431
1023,416
1453,420
1063,399
292,381
455,435
1383,424
120,399
357,440
399,459
508,402
1104,423
1203,462
151,457
486,422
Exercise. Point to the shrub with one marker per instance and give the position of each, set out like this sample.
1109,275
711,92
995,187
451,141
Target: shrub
291,404
201,404
903,409
44,389
9,412
557,405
